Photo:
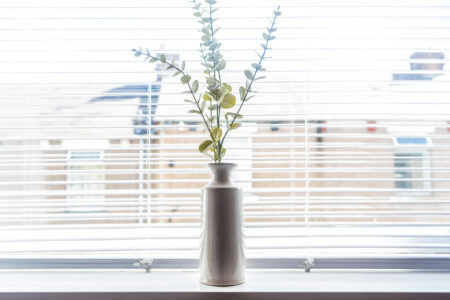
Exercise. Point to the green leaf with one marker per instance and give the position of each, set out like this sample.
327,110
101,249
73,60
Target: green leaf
183,65
189,101
212,119
236,116
235,125
211,1
242,92
221,65
206,38
248,98
260,77
228,101
186,78
212,107
248,74
162,58
228,87
224,151
137,53
205,146
202,106
195,86
193,111
196,14
207,97
256,66
265,36
216,133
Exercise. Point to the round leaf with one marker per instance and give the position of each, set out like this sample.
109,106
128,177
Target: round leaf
228,101
235,125
216,133
207,97
228,87
205,146
186,78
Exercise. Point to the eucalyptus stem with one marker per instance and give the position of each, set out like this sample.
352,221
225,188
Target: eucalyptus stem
188,84
218,97
248,89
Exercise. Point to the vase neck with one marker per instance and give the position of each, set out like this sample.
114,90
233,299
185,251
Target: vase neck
222,173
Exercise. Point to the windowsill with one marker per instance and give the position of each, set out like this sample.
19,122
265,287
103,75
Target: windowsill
185,285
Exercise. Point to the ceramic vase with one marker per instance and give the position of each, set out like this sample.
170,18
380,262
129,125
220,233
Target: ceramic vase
222,259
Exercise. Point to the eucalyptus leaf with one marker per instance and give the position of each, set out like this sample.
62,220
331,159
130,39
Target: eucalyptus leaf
195,86
233,115
256,66
248,74
235,125
205,146
193,111
202,106
185,79
189,101
228,101
183,65
207,97
228,87
216,133
162,58
242,92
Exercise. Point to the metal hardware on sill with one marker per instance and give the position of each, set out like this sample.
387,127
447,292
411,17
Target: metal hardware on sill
145,263
308,264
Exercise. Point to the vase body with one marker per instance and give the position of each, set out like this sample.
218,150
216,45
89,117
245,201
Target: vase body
222,259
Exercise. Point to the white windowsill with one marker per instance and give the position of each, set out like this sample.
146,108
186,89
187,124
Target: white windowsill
135,284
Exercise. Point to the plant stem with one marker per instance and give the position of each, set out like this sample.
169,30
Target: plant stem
190,89
248,89
219,146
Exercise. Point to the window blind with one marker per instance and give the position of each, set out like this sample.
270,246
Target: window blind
344,153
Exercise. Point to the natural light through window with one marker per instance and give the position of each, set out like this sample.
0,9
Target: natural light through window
343,153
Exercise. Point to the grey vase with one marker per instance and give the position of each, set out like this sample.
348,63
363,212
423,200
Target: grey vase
222,259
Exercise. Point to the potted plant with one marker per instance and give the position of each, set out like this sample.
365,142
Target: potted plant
222,260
